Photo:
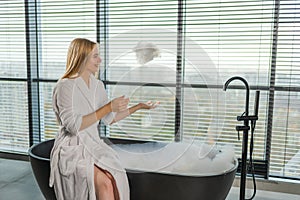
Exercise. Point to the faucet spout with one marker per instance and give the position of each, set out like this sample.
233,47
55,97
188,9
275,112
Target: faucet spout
247,90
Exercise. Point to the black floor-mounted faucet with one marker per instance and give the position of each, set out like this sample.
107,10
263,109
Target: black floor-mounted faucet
245,128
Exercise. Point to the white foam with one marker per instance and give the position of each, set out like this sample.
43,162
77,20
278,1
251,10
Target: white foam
177,158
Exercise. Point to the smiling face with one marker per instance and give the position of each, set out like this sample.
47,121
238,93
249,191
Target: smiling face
83,58
93,61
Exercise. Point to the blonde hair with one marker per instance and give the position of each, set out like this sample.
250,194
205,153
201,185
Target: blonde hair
78,52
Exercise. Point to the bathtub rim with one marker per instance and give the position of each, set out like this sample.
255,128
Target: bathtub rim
234,168
31,154
132,170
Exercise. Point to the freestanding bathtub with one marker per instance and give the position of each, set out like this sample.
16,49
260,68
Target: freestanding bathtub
144,185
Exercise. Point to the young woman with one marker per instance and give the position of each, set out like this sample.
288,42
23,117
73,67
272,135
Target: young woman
82,165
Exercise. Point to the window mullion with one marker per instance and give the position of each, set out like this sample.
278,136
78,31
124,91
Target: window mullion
102,39
272,87
32,54
178,99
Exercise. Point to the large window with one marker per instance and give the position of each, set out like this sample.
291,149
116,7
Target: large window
285,143
201,44
13,90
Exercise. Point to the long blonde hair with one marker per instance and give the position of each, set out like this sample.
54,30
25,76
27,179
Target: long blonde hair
78,52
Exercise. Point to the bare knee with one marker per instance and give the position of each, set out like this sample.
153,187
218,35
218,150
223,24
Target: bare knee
106,184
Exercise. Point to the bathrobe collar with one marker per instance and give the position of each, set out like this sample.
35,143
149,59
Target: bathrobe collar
88,92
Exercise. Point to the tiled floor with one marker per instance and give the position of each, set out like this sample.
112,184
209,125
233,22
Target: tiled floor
17,183
261,195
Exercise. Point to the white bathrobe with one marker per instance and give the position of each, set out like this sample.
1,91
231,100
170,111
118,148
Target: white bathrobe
75,152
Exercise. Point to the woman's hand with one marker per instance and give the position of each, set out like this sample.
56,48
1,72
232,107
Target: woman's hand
148,105
124,113
119,104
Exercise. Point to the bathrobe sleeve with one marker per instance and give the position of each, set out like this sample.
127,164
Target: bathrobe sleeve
63,98
107,119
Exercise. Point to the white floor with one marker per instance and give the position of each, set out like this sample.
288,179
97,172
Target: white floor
17,183
261,195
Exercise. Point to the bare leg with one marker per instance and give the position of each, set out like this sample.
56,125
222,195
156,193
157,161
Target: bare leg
115,188
105,185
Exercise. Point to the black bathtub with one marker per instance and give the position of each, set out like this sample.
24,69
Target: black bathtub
144,185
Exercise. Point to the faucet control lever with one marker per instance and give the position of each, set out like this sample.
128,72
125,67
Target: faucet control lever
241,128
243,118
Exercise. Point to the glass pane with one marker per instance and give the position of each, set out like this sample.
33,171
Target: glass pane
285,156
12,40
49,126
155,124
60,24
14,130
210,119
227,38
130,39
